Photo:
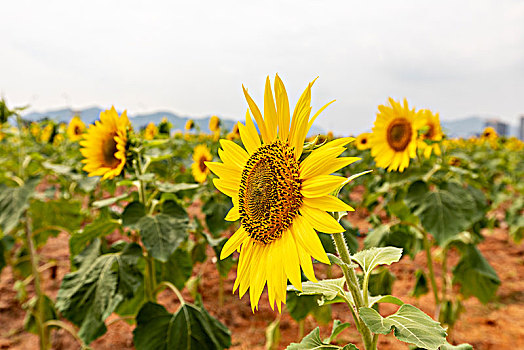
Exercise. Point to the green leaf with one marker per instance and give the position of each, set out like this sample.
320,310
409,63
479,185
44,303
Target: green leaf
61,212
475,275
335,331
448,210
162,234
217,244
190,328
110,201
390,299
173,188
300,306
89,295
273,335
381,281
313,341
370,258
132,213
421,284
216,209
31,308
177,269
174,209
13,202
410,325
329,289
99,228
448,346
6,243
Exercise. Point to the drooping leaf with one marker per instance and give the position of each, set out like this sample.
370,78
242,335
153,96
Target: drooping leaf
410,325
381,281
300,306
177,269
370,258
162,234
217,244
13,202
421,284
384,299
447,210
190,328
475,275
329,288
109,201
335,331
216,209
89,295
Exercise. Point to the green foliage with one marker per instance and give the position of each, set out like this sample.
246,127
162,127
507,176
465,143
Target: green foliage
370,258
99,228
313,341
421,284
162,234
475,275
190,328
410,325
177,269
49,310
216,209
89,295
13,202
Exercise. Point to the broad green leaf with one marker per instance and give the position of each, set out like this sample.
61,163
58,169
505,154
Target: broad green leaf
13,202
98,228
381,281
399,236
329,288
216,209
174,209
410,325
60,212
162,234
132,213
89,295
217,244
173,188
190,328
313,341
446,211
475,275
370,258
109,201
448,346
300,306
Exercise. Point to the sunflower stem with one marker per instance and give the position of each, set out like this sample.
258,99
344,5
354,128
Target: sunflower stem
427,248
354,288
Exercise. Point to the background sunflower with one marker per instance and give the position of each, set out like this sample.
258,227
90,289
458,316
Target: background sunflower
199,169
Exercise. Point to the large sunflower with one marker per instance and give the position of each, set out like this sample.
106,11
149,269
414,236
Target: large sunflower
394,137
429,123
75,129
199,169
280,197
104,145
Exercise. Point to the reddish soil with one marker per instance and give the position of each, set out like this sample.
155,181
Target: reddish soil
497,325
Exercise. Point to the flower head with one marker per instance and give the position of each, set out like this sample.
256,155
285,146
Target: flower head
75,129
362,141
151,131
199,169
190,124
280,197
104,145
489,134
430,130
214,124
394,135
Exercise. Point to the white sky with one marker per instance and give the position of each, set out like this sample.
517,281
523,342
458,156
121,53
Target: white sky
456,57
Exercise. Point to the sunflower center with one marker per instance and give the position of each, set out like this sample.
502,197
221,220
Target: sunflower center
108,151
202,165
269,195
399,134
364,141
77,130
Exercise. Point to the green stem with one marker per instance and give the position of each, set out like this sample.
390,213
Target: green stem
444,274
427,248
173,289
40,307
301,325
21,150
354,288
68,328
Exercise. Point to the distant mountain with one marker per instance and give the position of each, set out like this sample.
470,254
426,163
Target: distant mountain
89,115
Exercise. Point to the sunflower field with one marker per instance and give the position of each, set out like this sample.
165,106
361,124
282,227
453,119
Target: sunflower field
260,237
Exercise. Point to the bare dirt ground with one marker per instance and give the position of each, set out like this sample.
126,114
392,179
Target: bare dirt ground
497,325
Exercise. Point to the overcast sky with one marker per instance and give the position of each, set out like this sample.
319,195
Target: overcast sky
458,58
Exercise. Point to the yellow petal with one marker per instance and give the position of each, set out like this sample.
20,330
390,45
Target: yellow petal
233,214
282,109
233,242
270,112
308,239
327,203
222,170
311,163
320,220
321,185
329,167
291,262
258,116
234,150
226,187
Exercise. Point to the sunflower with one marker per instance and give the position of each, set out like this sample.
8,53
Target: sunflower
34,129
47,133
59,138
190,124
151,131
429,125
214,123
75,129
279,197
234,134
104,145
393,138
362,141
199,169
489,134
